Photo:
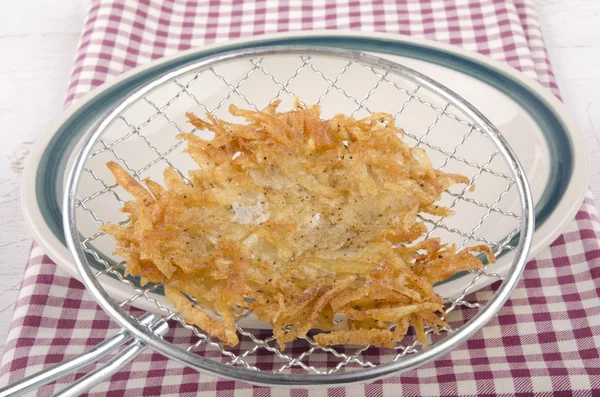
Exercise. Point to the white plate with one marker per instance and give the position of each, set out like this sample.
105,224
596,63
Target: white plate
534,122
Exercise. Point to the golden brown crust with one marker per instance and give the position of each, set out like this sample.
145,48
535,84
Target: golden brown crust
298,219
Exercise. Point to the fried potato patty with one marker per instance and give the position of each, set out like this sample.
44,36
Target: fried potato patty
299,220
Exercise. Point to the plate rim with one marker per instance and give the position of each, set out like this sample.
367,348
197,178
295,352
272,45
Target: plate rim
562,214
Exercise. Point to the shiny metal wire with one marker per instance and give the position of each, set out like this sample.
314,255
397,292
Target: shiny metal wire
307,364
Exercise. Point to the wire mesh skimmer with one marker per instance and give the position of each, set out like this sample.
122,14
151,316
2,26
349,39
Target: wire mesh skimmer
140,134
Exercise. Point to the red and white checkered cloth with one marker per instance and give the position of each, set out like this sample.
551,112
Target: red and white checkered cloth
544,341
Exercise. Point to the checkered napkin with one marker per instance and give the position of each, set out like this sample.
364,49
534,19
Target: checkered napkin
544,341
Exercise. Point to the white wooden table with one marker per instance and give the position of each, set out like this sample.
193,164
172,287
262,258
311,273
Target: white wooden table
38,39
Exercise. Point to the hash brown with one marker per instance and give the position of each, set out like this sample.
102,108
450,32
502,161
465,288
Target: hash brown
300,220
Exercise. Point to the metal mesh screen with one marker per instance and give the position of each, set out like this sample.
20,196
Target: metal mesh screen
143,140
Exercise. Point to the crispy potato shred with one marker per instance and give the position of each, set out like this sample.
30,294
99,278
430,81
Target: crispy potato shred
300,220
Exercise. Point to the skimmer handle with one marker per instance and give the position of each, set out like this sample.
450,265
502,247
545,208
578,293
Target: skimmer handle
81,360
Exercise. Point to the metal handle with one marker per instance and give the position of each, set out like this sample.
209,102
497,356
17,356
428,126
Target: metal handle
105,371
66,367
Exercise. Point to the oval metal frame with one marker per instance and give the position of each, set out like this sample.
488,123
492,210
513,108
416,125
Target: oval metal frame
292,380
